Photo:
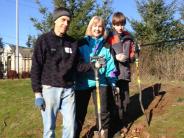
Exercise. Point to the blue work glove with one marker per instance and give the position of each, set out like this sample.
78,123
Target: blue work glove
39,101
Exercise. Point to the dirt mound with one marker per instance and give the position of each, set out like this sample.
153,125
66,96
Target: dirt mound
156,99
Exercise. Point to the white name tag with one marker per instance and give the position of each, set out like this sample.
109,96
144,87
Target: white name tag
68,50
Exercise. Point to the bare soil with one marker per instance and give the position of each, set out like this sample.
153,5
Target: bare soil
156,99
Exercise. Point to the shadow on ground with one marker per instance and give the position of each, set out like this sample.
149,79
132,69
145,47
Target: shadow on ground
134,110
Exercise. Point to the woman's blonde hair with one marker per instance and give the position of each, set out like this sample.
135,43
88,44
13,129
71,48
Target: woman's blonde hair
95,20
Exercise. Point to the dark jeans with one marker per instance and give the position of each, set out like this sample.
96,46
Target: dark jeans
124,93
116,122
82,101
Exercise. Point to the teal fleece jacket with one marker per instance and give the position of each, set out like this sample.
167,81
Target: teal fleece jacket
107,74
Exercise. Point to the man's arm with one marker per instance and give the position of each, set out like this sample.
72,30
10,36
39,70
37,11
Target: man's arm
36,71
37,65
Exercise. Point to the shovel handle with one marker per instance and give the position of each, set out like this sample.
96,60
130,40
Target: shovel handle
98,99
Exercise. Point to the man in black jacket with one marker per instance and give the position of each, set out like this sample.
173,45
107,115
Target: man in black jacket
54,63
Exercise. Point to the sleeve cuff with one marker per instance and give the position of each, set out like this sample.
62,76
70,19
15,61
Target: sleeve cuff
38,95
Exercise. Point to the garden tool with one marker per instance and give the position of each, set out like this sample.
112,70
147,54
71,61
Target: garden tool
118,103
139,82
100,133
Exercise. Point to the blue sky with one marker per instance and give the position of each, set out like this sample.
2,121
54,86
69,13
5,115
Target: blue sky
28,8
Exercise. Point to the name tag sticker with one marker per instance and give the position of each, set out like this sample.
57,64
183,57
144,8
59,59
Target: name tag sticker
68,50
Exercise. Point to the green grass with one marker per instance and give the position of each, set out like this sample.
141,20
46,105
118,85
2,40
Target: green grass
19,118
18,115
169,124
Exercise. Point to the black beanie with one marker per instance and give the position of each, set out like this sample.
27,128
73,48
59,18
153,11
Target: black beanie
61,12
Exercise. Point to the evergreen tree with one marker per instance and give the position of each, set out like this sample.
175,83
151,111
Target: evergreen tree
82,11
180,25
31,40
105,11
1,42
45,24
157,22
181,9
28,43
1,64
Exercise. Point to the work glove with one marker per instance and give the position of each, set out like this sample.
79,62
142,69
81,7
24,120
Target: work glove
39,101
115,90
99,64
121,57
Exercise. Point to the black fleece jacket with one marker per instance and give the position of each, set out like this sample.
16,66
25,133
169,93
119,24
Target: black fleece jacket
55,61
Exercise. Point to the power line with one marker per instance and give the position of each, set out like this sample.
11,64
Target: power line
166,41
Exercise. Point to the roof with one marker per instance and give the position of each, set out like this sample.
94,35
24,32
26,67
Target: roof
24,51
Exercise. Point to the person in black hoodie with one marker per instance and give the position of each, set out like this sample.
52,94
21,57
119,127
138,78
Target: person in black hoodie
54,64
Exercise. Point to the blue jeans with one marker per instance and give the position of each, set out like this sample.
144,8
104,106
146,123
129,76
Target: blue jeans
62,100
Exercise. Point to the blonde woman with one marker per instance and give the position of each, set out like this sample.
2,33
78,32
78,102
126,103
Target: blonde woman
94,44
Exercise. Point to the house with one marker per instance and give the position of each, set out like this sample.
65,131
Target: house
9,61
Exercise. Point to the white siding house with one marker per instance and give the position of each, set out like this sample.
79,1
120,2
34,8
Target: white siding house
9,62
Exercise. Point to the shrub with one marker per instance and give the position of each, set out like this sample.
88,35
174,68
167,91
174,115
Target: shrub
1,70
162,63
12,74
25,75
1,74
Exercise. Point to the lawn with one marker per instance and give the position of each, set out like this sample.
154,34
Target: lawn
19,118
18,115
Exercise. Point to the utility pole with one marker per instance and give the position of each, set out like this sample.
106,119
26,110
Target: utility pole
17,38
